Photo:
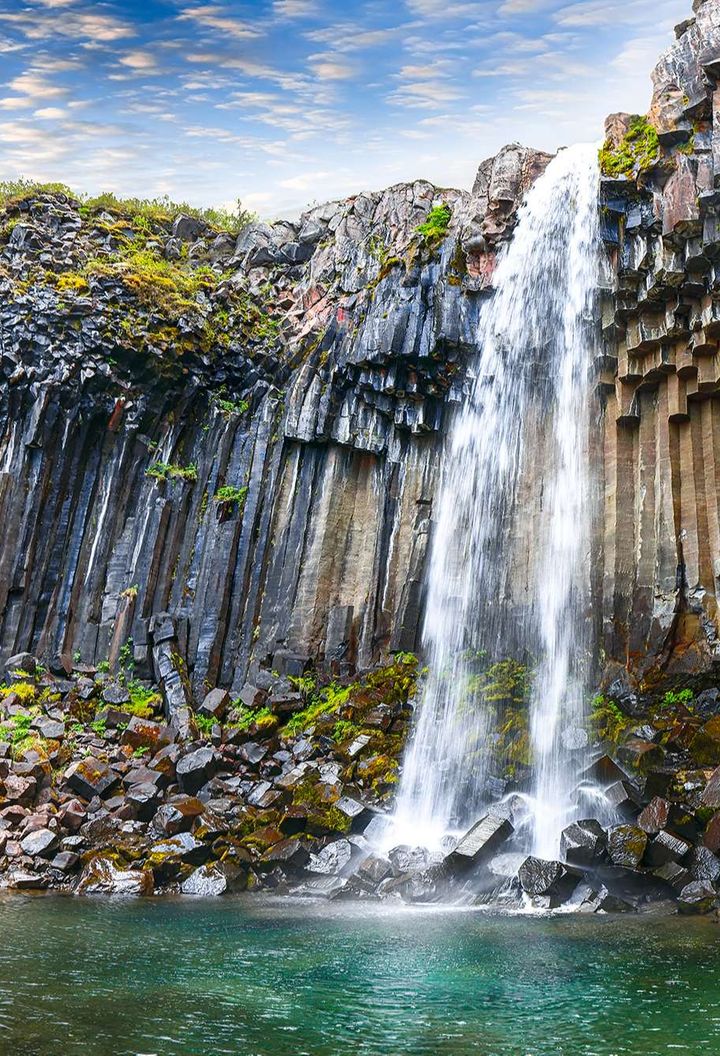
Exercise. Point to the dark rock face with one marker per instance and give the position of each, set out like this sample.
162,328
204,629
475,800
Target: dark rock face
187,477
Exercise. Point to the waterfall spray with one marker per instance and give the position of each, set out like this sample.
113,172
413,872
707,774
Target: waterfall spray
498,586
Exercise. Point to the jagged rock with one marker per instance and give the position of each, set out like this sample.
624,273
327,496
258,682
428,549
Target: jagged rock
711,792
290,853
705,746
332,859
215,703
178,815
90,777
144,733
195,769
665,847
480,843
626,845
375,869
101,876
655,815
207,880
539,877
703,865
583,842
624,798
66,861
42,843
697,897
114,693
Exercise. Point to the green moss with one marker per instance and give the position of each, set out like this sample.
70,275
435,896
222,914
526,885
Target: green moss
637,152
327,702
24,691
243,718
609,722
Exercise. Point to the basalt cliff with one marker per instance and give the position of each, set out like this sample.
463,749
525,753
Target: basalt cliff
219,456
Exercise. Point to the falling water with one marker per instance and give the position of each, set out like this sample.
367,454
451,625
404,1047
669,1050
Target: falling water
509,570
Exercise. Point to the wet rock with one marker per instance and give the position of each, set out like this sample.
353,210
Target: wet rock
144,733
697,897
405,859
332,859
20,791
42,843
66,861
196,769
178,815
327,887
640,754
167,857
480,843
291,853
583,842
655,815
540,877
359,814
114,693
626,845
375,869
707,703
90,777
144,798
604,771
102,876
624,798
703,865
26,880
665,847
711,837
705,745
673,874
711,794
215,704
206,881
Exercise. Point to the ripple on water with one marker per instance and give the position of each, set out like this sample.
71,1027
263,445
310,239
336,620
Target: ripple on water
274,978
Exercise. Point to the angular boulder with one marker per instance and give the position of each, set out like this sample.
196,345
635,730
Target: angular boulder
666,847
103,876
583,842
480,843
195,769
626,845
697,897
540,877
91,777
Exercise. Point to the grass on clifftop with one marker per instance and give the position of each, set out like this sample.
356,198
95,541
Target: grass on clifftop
162,210
637,151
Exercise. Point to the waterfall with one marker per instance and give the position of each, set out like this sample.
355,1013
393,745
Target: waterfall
509,571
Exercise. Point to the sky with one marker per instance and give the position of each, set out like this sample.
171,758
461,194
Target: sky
283,103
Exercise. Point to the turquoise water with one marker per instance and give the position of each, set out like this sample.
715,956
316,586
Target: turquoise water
274,978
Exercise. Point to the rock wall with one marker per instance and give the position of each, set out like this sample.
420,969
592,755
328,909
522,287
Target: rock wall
310,370
660,376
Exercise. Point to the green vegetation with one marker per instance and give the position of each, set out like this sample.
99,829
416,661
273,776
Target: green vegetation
205,723
24,691
229,407
171,471
505,682
637,152
160,210
434,228
326,701
231,494
674,698
609,722
243,718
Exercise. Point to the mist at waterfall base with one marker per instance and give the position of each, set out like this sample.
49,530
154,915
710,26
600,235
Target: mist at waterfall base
510,563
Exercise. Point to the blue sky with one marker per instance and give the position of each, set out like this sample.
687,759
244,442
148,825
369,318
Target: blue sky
285,102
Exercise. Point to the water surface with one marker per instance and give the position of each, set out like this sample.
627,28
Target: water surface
277,978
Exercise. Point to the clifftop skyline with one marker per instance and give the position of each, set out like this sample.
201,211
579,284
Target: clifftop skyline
287,102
